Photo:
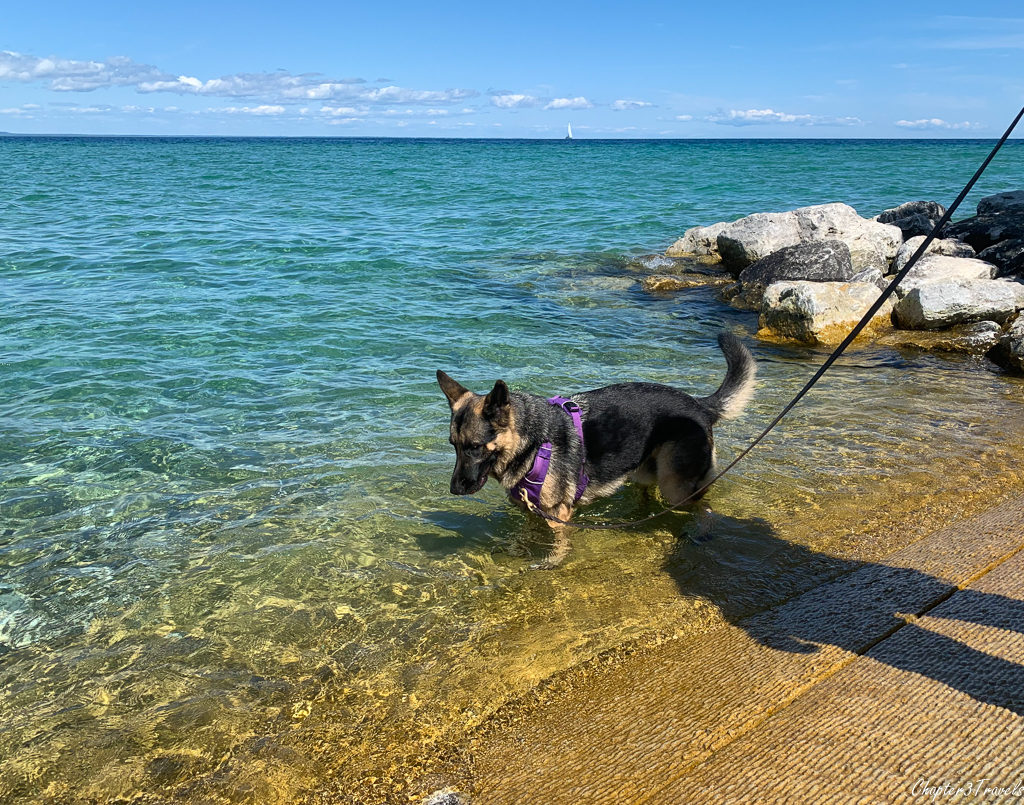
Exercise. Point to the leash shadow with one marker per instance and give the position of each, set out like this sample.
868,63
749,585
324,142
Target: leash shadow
743,566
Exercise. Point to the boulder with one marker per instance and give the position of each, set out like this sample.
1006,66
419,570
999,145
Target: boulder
1011,199
973,338
871,244
946,246
934,305
749,239
817,261
872,275
1007,256
987,229
913,218
940,268
820,312
1009,350
700,240
662,283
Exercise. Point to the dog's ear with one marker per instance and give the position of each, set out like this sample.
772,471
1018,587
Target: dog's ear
452,389
497,404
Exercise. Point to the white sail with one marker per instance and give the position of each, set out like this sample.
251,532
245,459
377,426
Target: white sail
569,135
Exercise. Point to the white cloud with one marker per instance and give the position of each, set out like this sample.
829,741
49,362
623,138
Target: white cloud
514,101
69,75
341,111
262,110
935,123
684,117
578,102
624,104
755,117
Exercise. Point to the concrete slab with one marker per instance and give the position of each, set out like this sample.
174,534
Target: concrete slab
692,721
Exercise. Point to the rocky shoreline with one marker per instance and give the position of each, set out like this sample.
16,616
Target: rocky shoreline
811,273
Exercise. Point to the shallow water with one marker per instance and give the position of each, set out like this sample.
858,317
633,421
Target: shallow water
229,566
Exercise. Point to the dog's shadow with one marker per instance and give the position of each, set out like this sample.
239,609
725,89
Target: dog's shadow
745,568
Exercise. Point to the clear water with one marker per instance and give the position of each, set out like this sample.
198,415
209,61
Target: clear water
230,569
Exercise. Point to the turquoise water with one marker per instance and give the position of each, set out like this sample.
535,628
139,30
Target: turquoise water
229,565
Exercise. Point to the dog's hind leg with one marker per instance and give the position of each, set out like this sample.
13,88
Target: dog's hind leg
560,550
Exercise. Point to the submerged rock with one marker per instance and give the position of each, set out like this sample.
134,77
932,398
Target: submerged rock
662,283
820,312
675,264
940,268
1008,351
1007,256
950,247
973,338
817,261
934,305
913,218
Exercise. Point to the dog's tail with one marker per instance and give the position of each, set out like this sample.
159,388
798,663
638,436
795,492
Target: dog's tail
738,387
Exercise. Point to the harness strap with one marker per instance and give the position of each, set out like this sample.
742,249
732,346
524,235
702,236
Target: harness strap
528,489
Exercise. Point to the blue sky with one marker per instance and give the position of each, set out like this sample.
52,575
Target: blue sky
525,69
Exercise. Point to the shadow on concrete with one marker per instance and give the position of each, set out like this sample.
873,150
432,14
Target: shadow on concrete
743,567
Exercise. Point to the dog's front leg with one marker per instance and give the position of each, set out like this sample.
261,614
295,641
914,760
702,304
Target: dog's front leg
562,545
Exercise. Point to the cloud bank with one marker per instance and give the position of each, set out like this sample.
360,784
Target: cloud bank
760,117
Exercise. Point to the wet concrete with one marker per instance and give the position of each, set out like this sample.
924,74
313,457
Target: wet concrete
885,684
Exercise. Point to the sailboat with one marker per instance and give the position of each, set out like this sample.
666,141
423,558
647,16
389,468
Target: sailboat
569,135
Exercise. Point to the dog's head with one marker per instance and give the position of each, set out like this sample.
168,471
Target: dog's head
480,430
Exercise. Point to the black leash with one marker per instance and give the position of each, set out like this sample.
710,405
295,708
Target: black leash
883,297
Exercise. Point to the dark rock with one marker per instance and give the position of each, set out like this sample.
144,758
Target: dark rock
914,218
816,261
1011,199
988,229
1009,351
1008,256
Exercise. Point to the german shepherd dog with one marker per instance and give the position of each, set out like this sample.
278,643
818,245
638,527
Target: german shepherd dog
641,432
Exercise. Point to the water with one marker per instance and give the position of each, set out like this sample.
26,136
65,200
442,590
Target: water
230,569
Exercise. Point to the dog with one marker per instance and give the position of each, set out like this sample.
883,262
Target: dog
593,442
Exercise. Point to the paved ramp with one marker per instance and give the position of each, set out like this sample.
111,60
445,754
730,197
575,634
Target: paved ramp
881,686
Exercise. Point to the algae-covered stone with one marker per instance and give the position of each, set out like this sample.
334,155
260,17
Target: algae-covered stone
973,338
662,283
820,312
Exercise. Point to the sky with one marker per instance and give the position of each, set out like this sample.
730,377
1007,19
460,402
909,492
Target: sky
524,69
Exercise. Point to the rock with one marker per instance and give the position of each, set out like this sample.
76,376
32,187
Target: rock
676,265
940,268
1009,350
934,305
818,261
872,275
913,218
660,283
445,796
871,244
973,338
946,246
749,239
986,230
1007,256
700,240
1011,199
820,312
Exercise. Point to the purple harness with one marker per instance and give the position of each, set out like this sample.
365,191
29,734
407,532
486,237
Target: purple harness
534,479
